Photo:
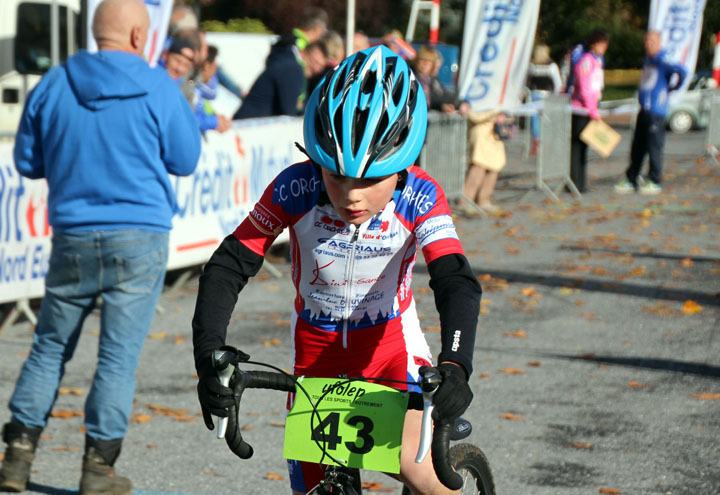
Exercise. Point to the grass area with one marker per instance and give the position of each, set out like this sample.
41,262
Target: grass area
619,92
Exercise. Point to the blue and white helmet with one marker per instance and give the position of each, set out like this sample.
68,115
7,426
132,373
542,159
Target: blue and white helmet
368,117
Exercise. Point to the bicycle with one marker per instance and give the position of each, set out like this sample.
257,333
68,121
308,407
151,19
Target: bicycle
463,467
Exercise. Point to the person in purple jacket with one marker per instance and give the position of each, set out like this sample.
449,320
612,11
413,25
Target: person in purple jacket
659,78
105,130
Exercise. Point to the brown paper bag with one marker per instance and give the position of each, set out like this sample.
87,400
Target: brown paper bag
600,137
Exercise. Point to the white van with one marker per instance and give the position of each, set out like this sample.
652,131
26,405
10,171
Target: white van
26,48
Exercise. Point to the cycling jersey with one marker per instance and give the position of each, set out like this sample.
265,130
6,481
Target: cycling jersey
352,281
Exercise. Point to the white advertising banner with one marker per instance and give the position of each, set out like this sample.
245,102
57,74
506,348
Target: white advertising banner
159,11
680,22
234,169
497,44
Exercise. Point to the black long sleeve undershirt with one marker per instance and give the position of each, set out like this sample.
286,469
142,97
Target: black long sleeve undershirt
224,276
457,299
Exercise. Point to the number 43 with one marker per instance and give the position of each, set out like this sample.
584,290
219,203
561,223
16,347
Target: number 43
332,438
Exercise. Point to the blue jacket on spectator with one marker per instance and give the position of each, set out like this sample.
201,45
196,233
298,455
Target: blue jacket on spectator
124,176
655,83
278,87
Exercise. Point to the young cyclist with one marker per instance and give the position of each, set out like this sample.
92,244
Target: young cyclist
357,211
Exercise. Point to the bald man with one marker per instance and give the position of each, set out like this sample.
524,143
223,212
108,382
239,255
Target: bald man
660,76
106,131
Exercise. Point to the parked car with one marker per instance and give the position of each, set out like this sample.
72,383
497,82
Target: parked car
691,109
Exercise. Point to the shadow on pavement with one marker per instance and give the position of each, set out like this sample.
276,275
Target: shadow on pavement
658,364
49,490
608,286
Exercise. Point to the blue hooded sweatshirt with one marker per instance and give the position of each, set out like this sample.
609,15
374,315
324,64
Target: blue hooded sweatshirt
105,130
655,83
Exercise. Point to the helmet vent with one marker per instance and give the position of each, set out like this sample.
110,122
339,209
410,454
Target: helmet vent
338,126
369,82
398,89
359,123
337,87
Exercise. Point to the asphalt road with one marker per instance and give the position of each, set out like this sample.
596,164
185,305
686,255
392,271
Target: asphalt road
597,357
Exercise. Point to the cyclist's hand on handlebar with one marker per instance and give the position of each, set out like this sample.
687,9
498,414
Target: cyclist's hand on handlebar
215,399
453,396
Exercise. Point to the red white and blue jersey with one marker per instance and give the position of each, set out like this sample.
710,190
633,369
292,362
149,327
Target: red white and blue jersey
353,283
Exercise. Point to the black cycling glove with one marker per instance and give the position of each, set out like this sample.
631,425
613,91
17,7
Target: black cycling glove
215,399
453,396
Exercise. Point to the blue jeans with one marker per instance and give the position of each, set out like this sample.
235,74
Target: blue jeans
127,269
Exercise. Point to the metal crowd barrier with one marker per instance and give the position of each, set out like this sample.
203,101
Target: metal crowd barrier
553,159
713,129
444,155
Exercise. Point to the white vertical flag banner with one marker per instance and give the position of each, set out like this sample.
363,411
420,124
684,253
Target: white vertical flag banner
497,43
159,11
680,22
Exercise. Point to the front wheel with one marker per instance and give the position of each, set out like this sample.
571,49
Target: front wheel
681,122
470,462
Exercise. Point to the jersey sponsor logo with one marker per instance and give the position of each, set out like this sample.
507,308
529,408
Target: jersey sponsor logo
265,221
419,200
318,280
436,228
347,246
327,223
297,187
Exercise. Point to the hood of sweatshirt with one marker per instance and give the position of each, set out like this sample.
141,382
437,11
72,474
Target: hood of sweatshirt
104,78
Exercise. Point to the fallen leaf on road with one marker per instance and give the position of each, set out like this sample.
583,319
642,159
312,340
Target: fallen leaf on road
609,490
158,335
511,416
66,414
72,448
581,445
635,384
277,424
70,391
686,262
662,309
529,292
518,334
691,307
141,418
272,342
282,323
185,419
534,364
484,375
432,328
274,476
512,371
706,396
375,486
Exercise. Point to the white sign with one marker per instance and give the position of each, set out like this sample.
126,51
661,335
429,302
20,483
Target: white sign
159,11
680,22
234,169
498,41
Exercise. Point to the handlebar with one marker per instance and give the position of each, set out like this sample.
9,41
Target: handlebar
429,383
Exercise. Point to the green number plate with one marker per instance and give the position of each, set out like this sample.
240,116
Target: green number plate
361,424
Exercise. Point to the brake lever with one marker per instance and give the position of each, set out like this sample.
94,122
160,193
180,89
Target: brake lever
429,384
222,362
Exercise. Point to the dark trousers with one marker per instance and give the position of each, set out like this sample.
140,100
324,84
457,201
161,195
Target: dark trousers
649,138
578,153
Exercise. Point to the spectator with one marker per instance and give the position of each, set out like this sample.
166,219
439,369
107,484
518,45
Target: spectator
396,42
487,157
280,88
179,60
586,95
360,41
104,130
543,79
660,76
206,91
426,66
335,54
313,24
